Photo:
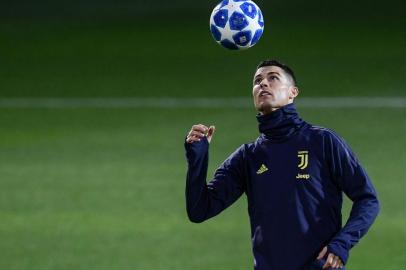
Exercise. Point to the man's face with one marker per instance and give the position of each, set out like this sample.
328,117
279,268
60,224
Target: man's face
272,89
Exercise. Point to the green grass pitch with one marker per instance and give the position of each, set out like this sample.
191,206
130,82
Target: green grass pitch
104,188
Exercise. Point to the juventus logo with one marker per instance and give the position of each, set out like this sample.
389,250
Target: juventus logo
303,159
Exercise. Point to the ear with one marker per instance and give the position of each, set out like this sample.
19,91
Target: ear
294,92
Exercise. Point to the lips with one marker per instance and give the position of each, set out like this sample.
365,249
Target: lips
263,93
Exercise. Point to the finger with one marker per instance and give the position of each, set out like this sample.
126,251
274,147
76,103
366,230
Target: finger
194,136
335,262
212,129
192,139
196,133
322,253
339,263
329,261
210,133
200,127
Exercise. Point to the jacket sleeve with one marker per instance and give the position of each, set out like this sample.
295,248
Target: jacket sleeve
354,181
205,200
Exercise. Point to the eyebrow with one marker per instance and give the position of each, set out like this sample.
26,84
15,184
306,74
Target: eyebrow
272,72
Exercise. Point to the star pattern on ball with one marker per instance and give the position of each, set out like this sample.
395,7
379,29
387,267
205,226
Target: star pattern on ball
236,24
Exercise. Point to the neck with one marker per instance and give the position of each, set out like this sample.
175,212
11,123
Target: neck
281,123
269,109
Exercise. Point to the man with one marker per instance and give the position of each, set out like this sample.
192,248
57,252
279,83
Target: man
294,175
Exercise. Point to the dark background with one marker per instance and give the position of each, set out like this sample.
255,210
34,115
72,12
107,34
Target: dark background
159,48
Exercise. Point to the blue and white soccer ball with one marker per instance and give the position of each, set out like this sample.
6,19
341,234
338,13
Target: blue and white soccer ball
236,24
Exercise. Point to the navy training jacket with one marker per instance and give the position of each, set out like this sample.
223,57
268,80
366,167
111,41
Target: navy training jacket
293,175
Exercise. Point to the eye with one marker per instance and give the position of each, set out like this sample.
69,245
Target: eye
273,78
257,80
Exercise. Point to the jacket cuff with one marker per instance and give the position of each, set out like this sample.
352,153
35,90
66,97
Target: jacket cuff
196,148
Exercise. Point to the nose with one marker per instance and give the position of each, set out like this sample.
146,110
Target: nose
264,83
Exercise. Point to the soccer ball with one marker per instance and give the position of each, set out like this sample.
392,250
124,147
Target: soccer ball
236,24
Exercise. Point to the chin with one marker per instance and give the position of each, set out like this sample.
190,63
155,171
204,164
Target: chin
265,107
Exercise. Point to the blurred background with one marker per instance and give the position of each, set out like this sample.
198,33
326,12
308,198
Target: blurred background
96,98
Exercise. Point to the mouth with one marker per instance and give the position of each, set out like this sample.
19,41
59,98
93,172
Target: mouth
264,93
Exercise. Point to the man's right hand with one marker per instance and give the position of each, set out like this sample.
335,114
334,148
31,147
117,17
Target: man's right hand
197,132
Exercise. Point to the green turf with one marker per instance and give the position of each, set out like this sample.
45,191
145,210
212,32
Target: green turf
104,189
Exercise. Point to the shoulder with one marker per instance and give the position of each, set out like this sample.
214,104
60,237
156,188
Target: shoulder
320,130
330,138
334,143
325,133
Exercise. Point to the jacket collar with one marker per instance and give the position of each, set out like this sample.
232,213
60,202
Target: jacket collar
281,124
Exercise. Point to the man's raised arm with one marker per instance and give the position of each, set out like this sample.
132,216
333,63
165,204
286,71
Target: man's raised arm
205,200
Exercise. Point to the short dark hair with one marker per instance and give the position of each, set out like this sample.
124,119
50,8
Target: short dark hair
276,63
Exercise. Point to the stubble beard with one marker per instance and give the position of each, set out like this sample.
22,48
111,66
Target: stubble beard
265,107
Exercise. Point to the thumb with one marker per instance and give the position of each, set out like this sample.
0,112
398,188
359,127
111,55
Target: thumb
210,132
322,253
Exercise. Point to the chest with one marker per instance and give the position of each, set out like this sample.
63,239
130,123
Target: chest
284,172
